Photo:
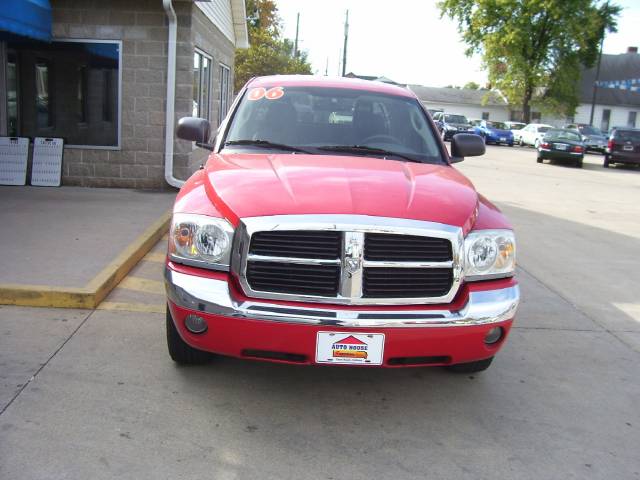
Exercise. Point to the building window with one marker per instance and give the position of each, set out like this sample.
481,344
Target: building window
225,92
201,85
631,122
515,116
66,88
42,98
485,115
81,98
606,116
107,93
12,95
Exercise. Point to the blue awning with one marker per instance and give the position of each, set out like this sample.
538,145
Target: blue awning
26,18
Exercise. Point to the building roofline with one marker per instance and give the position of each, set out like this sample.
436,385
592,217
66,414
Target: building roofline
239,14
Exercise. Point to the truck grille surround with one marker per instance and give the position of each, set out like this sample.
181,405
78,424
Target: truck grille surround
348,259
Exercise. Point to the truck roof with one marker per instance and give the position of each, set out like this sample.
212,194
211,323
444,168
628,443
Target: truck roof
329,82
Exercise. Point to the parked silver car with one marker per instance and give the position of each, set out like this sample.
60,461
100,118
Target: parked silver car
592,137
532,134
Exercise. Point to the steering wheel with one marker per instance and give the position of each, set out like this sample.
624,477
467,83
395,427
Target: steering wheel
381,138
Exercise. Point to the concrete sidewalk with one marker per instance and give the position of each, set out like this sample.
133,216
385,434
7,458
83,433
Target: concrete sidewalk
62,245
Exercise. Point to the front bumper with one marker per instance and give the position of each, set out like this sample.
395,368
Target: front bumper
238,325
448,134
595,146
560,154
500,139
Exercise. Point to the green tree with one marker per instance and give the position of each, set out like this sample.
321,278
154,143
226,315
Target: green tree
533,49
268,53
472,86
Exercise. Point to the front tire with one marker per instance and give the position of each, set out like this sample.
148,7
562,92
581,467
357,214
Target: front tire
579,163
521,142
471,367
539,159
606,161
179,351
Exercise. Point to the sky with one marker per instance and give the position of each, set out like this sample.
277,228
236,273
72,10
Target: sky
408,43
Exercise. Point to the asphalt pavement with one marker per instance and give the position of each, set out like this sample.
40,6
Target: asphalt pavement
93,394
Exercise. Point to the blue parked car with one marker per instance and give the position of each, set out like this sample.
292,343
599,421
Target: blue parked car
493,132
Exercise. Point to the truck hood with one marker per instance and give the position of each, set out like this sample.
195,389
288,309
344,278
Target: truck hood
250,185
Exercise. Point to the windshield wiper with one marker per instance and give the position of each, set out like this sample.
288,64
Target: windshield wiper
264,144
363,149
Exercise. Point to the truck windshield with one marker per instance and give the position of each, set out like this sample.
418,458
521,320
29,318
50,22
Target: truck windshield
455,119
587,130
342,121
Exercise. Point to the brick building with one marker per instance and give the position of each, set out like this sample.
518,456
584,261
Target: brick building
100,73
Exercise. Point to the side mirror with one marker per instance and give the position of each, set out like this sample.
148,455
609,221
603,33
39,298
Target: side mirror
194,129
466,145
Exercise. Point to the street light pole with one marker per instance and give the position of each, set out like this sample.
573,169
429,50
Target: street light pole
344,49
295,47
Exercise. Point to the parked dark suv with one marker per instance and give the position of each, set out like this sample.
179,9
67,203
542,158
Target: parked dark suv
623,147
449,124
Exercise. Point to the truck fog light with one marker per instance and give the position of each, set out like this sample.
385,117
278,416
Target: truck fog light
493,336
195,324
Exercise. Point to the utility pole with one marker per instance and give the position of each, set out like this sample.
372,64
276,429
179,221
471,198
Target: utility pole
295,47
326,68
595,83
344,49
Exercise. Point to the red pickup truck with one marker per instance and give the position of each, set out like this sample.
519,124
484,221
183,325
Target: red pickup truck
329,227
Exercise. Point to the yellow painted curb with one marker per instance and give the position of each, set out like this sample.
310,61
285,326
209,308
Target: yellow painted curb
133,307
98,288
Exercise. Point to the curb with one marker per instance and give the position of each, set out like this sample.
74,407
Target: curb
98,288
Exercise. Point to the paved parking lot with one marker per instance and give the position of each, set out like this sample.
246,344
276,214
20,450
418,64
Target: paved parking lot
93,394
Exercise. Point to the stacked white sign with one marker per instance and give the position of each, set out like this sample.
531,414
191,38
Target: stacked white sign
46,170
14,152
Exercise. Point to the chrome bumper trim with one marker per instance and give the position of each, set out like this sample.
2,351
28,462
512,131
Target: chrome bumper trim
212,296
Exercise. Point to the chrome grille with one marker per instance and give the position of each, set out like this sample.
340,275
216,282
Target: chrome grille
320,280
406,248
295,243
406,282
348,259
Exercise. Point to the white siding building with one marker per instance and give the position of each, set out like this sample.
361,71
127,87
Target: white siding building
474,104
613,108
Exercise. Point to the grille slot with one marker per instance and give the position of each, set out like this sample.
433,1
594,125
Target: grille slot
406,282
297,243
436,360
319,280
406,248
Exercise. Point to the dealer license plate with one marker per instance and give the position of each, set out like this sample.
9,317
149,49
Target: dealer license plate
503,139
350,348
561,146
628,148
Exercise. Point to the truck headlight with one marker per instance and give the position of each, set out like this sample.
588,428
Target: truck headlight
489,254
200,241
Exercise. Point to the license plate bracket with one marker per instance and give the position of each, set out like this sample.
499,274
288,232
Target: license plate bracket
347,348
